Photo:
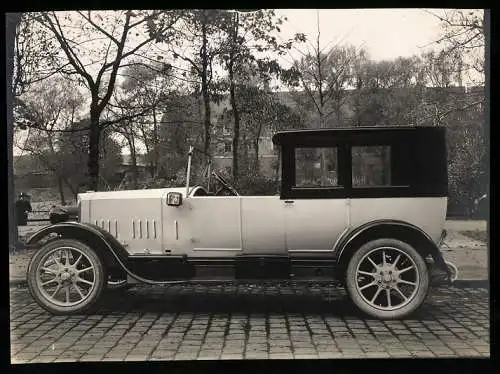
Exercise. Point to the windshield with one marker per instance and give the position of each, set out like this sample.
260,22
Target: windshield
215,175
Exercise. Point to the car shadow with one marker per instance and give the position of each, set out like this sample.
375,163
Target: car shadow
227,300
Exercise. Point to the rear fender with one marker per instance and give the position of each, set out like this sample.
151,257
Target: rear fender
404,231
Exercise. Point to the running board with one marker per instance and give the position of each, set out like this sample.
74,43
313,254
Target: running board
250,267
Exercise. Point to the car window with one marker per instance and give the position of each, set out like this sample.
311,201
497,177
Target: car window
371,166
316,167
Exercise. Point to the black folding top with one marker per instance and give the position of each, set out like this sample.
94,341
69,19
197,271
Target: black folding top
312,135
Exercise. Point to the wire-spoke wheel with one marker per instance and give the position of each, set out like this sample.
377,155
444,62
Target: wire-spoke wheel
65,276
387,278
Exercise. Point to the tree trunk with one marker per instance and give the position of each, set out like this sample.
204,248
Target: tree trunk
232,89
60,187
93,160
74,190
154,169
135,176
207,124
323,155
236,129
204,90
133,159
338,114
244,143
11,20
256,165
278,168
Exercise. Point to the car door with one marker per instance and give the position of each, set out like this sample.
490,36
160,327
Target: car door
316,212
204,226
263,225
314,225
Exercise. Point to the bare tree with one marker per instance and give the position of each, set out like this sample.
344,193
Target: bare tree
464,35
98,70
325,78
247,36
51,105
148,86
262,112
200,30
231,59
35,51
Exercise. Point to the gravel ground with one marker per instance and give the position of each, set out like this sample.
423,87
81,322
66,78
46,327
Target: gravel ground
478,235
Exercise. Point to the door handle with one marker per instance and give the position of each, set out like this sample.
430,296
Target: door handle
289,201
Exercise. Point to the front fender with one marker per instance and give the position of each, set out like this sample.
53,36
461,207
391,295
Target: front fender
413,235
99,239
105,244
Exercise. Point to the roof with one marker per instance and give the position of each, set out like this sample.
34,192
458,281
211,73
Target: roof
291,135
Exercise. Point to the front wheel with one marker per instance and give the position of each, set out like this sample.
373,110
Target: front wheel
66,277
387,279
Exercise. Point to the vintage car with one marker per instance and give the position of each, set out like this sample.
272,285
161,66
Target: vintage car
364,206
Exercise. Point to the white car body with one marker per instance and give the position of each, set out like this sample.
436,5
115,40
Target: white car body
365,206
223,226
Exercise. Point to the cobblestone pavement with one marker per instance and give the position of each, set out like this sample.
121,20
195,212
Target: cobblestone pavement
225,321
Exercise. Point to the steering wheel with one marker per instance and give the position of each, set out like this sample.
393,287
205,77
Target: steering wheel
225,185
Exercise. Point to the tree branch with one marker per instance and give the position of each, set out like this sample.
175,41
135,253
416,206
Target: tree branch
73,59
99,28
107,123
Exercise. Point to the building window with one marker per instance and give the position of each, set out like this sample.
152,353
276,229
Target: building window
316,167
228,147
371,166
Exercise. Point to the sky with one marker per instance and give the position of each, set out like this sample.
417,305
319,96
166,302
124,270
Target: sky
384,33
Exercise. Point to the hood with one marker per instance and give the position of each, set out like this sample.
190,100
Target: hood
132,194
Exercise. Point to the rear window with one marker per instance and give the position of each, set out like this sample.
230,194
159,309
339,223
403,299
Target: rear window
371,166
382,166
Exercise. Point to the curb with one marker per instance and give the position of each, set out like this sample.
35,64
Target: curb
472,283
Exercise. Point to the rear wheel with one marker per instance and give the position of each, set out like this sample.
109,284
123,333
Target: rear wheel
387,279
66,277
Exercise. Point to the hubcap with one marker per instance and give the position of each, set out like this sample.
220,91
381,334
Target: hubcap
66,276
387,278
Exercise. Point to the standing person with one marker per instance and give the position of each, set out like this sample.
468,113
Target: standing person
23,206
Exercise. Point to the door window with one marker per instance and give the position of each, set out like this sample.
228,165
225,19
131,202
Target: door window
316,167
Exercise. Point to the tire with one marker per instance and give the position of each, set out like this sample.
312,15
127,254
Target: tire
376,292
82,282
